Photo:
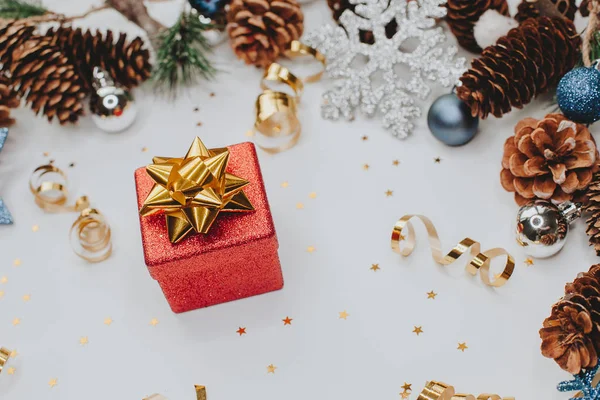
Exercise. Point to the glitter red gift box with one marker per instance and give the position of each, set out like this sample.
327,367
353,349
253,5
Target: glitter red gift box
237,258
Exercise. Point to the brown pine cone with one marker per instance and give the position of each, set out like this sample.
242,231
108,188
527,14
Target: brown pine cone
463,14
552,159
127,62
12,35
546,8
521,65
47,81
8,99
261,30
593,209
571,335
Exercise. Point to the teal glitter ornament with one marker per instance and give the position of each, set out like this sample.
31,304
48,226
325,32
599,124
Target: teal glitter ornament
578,94
584,383
209,8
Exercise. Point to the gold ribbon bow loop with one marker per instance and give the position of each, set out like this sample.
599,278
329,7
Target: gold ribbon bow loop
193,190
480,261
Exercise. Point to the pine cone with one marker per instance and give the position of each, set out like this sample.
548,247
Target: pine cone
463,14
8,99
571,335
47,81
593,209
261,30
12,35
584,8
521,65
546,8
127,62
552,159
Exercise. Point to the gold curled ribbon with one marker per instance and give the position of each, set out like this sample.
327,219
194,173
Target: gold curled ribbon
4,356
440,391
299,49
480,261
280,74
200,394
90,234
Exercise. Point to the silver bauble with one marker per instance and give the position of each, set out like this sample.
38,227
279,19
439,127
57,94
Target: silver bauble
113,107
542,227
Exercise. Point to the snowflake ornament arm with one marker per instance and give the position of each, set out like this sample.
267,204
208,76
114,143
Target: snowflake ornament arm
584,382
378,84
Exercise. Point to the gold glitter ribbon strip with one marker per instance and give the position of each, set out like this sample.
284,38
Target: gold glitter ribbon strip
440,391
200,394
276,111
90,234
4,356
480,261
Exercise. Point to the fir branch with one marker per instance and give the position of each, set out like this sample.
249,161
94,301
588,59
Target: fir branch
595,46
17,9
182,54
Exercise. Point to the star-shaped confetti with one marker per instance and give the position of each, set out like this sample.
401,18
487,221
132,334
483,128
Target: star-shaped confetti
17,262
299,206
144,149
250,133
310,249
529,262
365,138
27,297
375,267
11,371
4,279
154,322
431,295
13,354
407,387
52,382
418,330
287,321
271,369
16,321
437,160
108,321
405,395
284,184
312,195
84,340
1,293
366,167
35,228
395,163
462,347
343,315
389,193
241,331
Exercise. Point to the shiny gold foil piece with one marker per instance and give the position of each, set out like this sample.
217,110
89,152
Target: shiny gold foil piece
440,391
193,190
480,261
4,356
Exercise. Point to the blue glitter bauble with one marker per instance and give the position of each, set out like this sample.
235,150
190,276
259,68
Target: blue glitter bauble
451,122
208,8
578,95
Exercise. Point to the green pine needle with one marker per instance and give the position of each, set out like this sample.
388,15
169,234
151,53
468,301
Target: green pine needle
17,9
595,47
181,56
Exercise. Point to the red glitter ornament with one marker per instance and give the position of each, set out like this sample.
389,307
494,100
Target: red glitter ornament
237,258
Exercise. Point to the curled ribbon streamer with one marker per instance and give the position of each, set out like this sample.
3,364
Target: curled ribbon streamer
200,394
90,234
440,391
299,49
480,261
4,356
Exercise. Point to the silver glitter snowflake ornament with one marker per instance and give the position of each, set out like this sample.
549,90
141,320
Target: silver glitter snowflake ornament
378,85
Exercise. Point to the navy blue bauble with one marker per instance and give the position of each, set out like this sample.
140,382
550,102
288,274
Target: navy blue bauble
451,122
578,95
208,8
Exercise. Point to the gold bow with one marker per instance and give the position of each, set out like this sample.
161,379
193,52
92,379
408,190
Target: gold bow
193,190
440,391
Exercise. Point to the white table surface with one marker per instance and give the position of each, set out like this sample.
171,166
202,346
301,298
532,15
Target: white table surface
369,355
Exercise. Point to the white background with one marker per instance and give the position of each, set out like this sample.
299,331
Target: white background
368,356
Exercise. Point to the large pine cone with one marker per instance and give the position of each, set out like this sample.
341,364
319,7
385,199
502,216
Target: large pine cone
521,65
552,159
12,35
8,99
47,80
592,207
546,8
261,30
571,335
127,62
463,14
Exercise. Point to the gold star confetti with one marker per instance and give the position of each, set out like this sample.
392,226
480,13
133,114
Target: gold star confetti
310,249
405,395
153,322
437,160
418,330
11,371
212,94
16,321
365,138
431,295
27,297
395,163
407,387
285,184
1,293
287,321
344,315
389,193
271,369
529,262
198,123
17,262
46,154
84,340
35,228
241,331
13,354
52,382
462,347
249,133
108,321
144,149
375,267
312,195
299,206
366,167
4,279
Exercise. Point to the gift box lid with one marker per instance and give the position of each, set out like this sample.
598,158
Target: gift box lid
230,229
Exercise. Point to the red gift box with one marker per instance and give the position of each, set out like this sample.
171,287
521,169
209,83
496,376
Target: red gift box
237,258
